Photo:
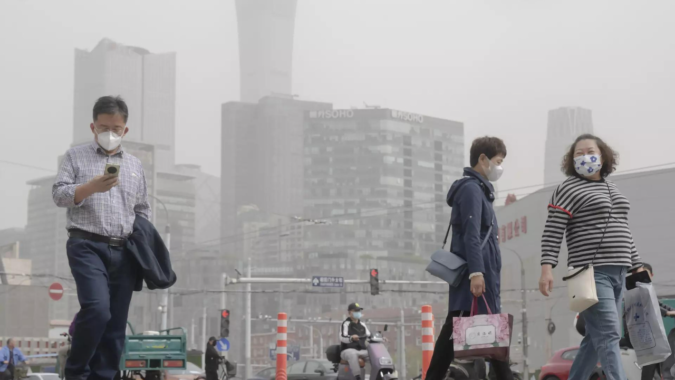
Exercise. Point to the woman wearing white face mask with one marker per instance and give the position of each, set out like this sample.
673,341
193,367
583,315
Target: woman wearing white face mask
474,238
593,215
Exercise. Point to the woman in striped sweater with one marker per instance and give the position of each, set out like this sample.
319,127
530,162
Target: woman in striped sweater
593,215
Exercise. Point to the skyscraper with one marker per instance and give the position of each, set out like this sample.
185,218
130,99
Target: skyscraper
265,47
388,169
564,125
262,158
381,176
146,81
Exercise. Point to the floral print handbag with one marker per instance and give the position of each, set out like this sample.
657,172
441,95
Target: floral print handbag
485,336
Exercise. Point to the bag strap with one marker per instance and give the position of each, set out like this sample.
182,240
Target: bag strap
580,271
445,241
609,217
474,306
492,222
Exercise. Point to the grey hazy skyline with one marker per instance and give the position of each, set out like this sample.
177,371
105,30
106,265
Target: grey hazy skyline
497,66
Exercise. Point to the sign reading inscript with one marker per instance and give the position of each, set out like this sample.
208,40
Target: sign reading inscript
407,116
331,114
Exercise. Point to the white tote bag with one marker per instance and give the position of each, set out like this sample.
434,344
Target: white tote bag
581,288
645,325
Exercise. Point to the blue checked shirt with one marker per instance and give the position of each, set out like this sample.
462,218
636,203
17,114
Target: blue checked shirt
111,213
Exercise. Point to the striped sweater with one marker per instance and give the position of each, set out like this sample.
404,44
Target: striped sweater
580,209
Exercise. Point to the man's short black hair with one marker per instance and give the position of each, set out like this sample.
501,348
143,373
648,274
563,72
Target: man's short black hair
212,339
489,146
111,105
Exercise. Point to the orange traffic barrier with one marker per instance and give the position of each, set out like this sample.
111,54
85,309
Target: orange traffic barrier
282,337
427,339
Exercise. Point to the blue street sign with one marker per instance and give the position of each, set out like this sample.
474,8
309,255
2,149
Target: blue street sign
328,282
292,353
223,345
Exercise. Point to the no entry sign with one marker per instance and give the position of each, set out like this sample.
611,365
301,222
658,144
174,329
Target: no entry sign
55,291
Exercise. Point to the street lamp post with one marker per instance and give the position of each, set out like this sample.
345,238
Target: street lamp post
247,299
523,312
164,300
311,341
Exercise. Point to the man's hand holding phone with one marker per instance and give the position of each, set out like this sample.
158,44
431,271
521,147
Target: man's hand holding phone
103,183
100,184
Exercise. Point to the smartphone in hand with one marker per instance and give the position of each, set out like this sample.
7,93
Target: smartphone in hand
112,170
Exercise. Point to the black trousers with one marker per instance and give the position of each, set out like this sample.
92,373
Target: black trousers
444,354
648,371
211,375
105,277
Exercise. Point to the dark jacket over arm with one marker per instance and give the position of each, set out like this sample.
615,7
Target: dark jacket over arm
152,256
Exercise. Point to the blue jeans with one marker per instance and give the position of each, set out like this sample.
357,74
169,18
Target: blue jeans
105,278
603,327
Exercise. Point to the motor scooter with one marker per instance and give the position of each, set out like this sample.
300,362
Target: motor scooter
381,363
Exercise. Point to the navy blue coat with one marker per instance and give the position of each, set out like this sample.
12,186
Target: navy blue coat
147,247
472,214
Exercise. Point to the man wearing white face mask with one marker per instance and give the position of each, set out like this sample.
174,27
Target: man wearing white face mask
101,214
474,238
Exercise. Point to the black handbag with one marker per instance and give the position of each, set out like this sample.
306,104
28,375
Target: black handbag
448,266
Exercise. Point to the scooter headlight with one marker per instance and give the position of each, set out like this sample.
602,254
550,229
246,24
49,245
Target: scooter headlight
386,361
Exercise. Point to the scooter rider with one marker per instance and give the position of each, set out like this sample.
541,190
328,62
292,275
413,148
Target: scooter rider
353,348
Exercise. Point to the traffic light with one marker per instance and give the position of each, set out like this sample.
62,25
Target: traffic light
224,323
374,282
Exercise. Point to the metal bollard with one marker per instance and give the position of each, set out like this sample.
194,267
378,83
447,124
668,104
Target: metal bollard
282,337
427,338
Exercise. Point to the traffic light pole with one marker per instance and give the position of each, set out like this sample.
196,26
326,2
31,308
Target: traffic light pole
223,296
247,353
250,280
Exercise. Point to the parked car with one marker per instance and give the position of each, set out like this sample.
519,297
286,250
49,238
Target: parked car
314,369
558,368
191,372
266,374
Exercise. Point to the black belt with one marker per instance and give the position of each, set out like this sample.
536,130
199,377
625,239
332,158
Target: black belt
111,241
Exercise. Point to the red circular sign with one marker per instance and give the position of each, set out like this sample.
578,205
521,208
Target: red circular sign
226,313
55,291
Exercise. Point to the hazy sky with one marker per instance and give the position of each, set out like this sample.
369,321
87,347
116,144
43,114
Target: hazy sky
498,66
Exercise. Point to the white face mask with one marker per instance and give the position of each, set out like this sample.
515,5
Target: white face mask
494,172
587,165
109,140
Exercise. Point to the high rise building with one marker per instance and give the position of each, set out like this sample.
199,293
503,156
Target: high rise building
388,169
262,159
207,203
265,47
145,80
564,125
383,175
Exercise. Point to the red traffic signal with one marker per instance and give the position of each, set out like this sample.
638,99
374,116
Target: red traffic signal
224,323
374,282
